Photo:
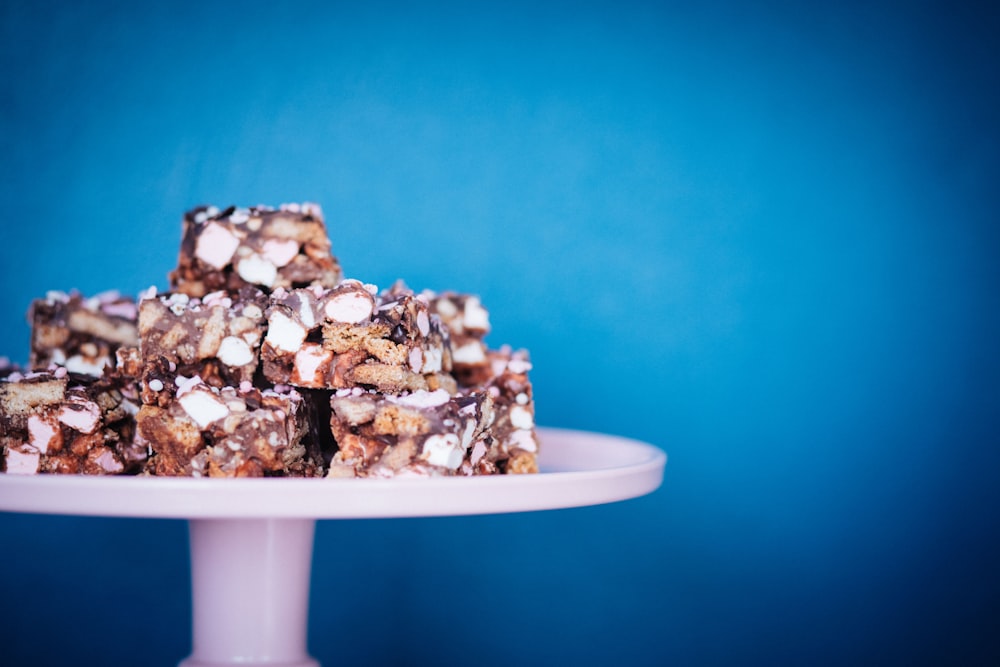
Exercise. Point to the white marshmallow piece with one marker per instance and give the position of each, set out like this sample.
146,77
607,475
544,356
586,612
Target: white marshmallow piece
422,398
443,449
350,307
522,440
108,462
478,452
178,303
446,308
470,429
216,245
40,433
280,252
217,298
123,309
520,417
470,353
22,463
308,363
475,316
184,385
234,351
423,323
416,360
257,270
203,407
306,311
432,360
83,420
284,333
519,366
77,364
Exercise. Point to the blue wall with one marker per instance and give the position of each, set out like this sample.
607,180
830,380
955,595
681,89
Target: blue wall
761,236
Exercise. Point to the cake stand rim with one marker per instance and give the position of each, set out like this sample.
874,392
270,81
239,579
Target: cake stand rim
579,468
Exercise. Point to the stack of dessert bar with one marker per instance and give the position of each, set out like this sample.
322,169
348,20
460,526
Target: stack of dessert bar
263,360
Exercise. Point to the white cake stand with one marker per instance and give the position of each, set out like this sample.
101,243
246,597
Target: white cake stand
251,539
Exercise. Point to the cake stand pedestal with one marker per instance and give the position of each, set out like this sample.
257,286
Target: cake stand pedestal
250,585
251,539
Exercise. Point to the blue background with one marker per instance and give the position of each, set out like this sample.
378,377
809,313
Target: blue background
763,236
